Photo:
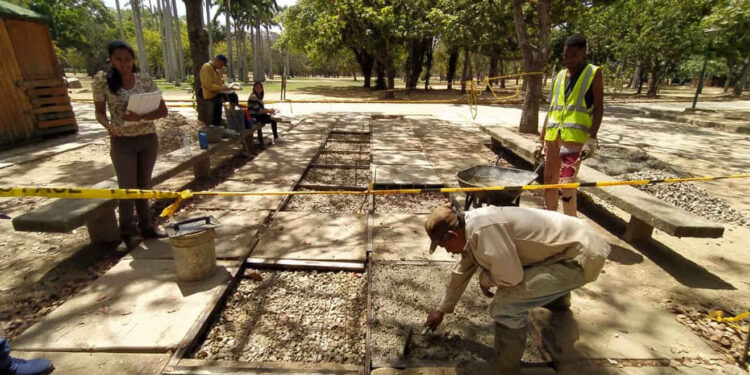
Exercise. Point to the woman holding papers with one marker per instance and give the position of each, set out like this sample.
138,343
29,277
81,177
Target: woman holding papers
133,139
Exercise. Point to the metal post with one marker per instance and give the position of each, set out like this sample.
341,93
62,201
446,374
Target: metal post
699,88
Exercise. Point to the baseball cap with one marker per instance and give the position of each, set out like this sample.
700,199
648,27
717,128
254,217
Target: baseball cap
441,220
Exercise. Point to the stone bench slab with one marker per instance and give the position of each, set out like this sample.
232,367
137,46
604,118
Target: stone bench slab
647,212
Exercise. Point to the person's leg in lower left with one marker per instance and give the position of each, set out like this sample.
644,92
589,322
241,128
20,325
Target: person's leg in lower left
18,366
146,162
125,160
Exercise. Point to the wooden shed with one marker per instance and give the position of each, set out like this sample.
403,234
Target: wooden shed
34,99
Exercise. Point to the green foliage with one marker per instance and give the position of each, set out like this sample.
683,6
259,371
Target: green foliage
732,43
71,20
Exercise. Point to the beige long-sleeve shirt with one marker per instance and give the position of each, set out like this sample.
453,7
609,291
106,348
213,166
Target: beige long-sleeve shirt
501,241
211,81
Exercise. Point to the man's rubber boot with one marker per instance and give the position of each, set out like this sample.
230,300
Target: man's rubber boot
510,344
17,366
559,305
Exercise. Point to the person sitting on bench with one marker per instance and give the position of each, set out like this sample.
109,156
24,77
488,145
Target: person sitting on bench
213,88
259,113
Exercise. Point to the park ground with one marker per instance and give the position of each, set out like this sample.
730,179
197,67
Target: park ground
645,315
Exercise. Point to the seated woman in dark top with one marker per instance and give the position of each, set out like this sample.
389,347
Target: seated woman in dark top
259,113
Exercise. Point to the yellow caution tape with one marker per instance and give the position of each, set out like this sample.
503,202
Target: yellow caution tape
718,315
78,193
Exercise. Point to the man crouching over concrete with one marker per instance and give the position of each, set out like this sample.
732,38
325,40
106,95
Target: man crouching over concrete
533,257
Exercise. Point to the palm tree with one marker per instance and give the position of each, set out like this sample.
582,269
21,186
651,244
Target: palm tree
172,64
208,27
178,31
142,55
119,20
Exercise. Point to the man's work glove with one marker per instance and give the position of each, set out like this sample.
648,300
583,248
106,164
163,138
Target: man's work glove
589,149
539,151
434,319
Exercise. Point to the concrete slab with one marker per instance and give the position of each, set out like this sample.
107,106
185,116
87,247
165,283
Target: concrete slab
449,371
406,175
397,144
616,326
248,202
400,158
276,172
314,236
234,239
280,154
402,237
138,305
67,363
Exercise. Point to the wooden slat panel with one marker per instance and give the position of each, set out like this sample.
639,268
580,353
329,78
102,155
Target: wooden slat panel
35,52
56,108
59,122
15,123
53,100
44,83
56,91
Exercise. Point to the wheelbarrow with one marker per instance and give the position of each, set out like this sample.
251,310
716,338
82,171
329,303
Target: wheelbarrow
492,175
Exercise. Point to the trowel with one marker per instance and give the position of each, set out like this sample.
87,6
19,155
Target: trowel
410,338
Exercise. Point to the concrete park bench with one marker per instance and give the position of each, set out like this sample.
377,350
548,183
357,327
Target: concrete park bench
646,211
65,215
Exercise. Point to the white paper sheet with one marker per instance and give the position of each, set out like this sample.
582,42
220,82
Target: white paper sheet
144,103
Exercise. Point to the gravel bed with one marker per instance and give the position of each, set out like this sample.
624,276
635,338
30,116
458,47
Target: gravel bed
292,316
349,137
409,203
635,164
690,197
327,203
404,295
346,159
337,176
342,146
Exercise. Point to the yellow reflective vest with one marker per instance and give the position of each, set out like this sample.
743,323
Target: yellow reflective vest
570,117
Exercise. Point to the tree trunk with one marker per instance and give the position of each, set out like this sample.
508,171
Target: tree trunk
465,73
742,81
636,81
171,48
365,61
198,38
494,57
255,47
535,55
452,62
164,48
428,63
653,86
380,73
270,58
164,55
501,64
390,72
209,31
415,62
142,54
178,31
261,77
239,40
119,21
230,57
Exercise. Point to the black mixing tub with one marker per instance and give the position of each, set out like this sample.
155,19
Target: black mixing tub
492,175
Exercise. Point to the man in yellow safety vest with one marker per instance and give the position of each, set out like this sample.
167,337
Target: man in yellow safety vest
572,122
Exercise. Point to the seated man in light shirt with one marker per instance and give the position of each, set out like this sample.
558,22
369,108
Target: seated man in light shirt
532,257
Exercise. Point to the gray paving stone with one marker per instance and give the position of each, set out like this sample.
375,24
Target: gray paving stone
138,305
